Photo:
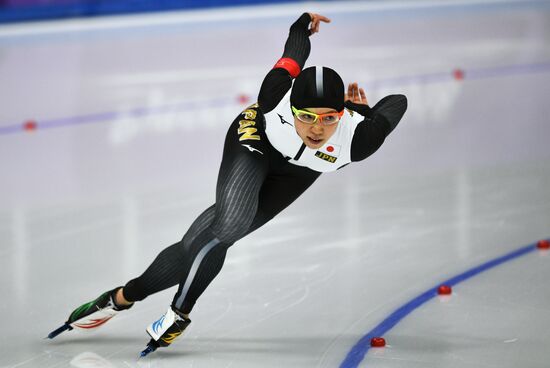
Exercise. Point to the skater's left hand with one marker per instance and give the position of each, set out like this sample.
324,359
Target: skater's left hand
356,100
356,95
316,19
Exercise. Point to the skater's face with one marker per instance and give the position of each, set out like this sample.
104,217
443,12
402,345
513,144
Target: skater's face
316,134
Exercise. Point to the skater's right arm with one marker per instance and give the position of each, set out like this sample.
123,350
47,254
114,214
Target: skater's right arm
297,47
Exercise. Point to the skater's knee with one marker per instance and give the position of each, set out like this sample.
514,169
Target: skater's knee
135,290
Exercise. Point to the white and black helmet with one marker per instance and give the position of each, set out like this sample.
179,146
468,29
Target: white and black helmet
318,86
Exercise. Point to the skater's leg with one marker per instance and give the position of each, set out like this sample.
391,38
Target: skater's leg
277,192
243,170
237,196
218,227
165,270
161,274
244,167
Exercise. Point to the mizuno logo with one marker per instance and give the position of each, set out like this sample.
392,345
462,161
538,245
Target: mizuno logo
252,149
283,121
158,324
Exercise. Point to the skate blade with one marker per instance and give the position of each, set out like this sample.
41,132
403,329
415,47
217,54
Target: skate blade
149,349
61,329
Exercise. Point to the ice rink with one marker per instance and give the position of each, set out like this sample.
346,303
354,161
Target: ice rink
111,134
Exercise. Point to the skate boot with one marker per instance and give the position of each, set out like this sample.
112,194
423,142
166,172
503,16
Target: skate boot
165,330
92,314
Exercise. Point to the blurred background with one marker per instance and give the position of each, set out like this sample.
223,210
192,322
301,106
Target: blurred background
26,10
112,121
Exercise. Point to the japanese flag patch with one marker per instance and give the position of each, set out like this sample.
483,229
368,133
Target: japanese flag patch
331,149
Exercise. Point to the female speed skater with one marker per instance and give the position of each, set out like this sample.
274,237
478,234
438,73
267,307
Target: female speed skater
303,124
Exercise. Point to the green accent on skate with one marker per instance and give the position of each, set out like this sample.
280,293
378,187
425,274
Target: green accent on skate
79,312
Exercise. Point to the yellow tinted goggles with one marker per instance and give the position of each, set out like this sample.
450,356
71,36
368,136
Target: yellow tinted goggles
309,117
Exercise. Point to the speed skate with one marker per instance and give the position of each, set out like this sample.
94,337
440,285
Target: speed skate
91,315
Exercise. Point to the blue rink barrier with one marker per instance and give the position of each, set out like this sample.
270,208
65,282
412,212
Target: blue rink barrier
33,10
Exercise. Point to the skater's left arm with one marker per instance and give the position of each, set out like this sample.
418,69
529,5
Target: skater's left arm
378,122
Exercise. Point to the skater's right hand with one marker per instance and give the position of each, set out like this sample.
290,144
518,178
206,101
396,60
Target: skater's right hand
315,22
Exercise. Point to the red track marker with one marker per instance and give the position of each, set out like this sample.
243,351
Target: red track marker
243,99
444,290
377,342
29,125
543,244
